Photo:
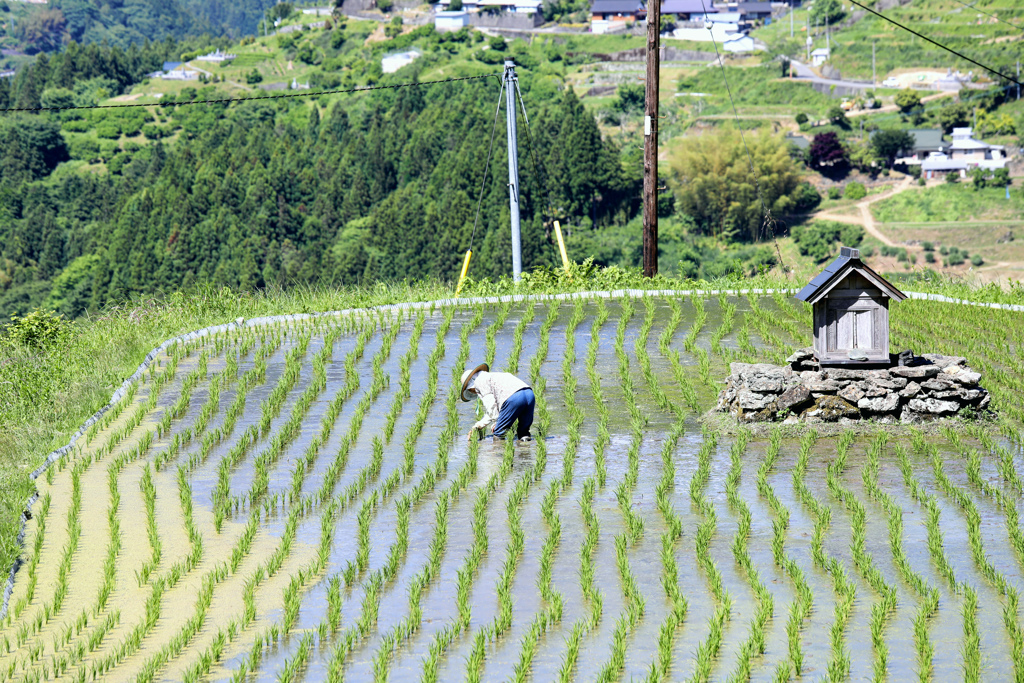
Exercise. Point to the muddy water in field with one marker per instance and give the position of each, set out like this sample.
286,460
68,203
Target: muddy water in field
438,603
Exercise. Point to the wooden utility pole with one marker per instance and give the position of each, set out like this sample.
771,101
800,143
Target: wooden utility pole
650,245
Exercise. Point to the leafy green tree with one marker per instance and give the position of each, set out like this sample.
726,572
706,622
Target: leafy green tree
889,144
907,100
827,12
954,115
713,183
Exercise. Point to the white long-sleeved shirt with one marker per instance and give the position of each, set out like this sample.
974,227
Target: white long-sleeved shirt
494,389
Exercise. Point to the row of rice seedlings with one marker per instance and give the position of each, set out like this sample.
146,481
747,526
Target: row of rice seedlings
491,335
844,588
662,665
603,435
796,323
33,565
700,318
553,600
929,594
973,518
466,574
303,465
223,502
63,661
143,409
379,579
709,648
623,492
378,384
112,414
754,645
188,385
512,364
800,608
885,607
766,325
660,398
748,352
291,429
689,391
516,544
728,317
375,582
591,593
133,640
574,425
404,378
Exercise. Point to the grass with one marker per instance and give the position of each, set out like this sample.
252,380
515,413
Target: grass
949,203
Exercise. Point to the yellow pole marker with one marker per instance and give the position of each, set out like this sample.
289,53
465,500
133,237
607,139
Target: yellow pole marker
561,246
465,267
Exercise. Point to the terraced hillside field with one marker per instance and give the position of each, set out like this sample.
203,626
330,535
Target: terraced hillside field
298,501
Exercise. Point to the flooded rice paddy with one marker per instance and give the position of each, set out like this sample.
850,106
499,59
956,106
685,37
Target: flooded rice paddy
300,502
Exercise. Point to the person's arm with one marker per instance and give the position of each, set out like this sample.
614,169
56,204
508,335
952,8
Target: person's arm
490,415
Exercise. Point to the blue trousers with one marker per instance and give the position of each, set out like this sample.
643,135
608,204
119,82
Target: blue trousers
518,406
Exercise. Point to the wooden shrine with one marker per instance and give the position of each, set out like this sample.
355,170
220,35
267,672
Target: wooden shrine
851,312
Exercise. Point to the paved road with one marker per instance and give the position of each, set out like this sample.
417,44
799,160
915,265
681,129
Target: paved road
804,73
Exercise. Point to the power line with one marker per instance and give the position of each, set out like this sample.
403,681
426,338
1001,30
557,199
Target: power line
974,7
229,100
938,44
768,221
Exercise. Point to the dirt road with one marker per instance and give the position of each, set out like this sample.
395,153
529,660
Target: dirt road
866,220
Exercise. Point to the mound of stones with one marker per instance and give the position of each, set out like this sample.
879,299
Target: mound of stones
927,387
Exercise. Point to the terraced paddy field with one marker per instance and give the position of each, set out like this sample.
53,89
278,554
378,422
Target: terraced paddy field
298,501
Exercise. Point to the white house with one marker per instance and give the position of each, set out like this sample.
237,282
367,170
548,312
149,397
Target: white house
720,27
738,42
216,56
512,6
396,60
451,21
975,152
939,164
820,56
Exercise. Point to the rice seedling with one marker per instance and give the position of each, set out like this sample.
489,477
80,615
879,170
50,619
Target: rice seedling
755,643
845,590
708,649
603,435
883,609
800,608
687,387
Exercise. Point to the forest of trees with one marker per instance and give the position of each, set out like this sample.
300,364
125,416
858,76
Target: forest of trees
126,22
345,189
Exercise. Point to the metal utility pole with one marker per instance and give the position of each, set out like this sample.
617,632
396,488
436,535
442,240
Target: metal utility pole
650,242
791,19
511,87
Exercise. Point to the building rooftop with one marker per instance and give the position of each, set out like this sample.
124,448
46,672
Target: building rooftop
836,272
687,7
617,6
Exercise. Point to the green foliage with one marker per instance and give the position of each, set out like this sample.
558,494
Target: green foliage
713,183
254,77
817,239
826,12
907,100
629,98
800,118
855,191
30,147
888,144
953,177
39,330
954,115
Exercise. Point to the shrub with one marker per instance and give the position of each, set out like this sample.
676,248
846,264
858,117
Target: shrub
943,250
254,77
929,257
109,130
953,177
801,119
834,193
152,131
928,246
976,260
855,191
43,330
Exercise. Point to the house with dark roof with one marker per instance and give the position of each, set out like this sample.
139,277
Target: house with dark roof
610,15
688,10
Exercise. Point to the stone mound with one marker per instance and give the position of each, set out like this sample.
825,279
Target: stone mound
931,386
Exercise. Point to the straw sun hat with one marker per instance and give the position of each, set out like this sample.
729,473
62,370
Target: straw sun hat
468,376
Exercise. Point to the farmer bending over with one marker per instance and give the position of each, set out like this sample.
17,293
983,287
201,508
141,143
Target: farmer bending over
506,399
